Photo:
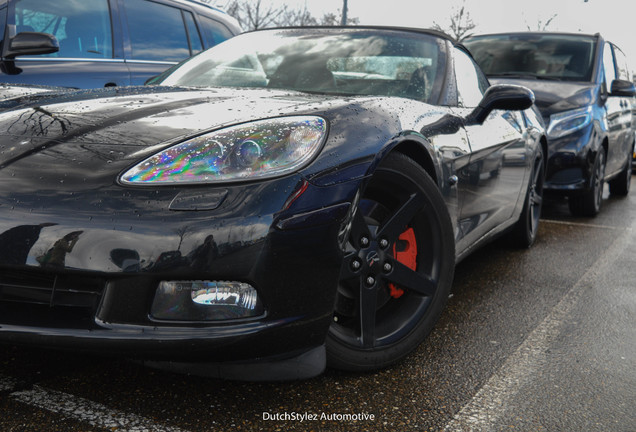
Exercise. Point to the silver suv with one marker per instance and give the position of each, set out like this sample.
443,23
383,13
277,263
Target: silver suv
103,43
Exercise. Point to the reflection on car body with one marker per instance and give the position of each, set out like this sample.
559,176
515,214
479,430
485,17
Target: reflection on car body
312,215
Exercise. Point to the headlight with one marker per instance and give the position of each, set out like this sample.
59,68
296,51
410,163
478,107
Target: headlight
256,150
567,122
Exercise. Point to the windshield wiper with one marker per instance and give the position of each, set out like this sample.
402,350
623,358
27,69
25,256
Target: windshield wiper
527,75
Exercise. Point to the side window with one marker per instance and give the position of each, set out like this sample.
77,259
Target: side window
471,82
193,33
3,24
157,32
608,66
82,27
621,63
214,31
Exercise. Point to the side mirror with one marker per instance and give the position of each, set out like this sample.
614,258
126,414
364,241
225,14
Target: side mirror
31,43
623,88
502,97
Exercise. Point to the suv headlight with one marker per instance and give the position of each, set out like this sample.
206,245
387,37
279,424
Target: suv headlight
566,122
256,150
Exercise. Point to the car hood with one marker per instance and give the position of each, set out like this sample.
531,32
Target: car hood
14,94
556,96
75,135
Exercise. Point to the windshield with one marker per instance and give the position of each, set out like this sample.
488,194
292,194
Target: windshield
334,61
561,57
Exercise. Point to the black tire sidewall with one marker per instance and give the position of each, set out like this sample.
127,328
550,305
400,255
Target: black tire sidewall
621,184
523,234
589,204
346,357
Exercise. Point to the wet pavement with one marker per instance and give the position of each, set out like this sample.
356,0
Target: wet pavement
531,340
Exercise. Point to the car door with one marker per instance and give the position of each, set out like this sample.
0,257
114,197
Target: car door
626,116
157,36
90,53
616,113
490,185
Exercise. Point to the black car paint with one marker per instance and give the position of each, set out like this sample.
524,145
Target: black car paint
62,155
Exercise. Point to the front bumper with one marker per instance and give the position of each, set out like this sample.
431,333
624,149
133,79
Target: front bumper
571,161
78,277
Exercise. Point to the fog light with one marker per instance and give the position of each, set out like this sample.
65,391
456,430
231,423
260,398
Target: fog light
205,301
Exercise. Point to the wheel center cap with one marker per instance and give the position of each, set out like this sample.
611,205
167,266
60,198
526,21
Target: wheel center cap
373,257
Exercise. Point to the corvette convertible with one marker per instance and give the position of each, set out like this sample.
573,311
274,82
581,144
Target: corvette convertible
287,200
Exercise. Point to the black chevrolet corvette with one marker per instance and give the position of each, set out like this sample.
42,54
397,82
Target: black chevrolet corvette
289,199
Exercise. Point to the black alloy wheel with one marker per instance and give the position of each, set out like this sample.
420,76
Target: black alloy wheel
589,204
525,231
397,271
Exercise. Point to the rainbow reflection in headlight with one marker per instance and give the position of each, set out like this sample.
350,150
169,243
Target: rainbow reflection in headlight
260,149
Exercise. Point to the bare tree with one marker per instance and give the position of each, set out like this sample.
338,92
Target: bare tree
330,19
333,19
542,26
298,17
460,26
182,232
255,14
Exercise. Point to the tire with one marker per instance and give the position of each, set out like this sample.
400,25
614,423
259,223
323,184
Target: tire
620,185
397,271
525,230
589,204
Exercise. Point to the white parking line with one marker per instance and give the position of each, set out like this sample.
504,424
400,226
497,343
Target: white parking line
83,410
490,402
558,222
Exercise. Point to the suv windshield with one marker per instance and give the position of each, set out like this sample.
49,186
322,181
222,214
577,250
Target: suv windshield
353,62
532,55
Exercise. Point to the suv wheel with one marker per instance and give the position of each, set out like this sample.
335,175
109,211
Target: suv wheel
589,204
620,185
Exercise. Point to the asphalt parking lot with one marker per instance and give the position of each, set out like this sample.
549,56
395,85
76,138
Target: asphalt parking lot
532,340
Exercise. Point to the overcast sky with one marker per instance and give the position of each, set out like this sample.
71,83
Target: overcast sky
614,19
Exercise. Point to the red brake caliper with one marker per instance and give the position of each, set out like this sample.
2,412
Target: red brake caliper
406,256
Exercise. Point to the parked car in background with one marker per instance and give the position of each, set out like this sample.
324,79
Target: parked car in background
287,198
584,90
102,43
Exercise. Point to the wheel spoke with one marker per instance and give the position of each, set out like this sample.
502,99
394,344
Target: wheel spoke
537,199
537,173
368,304
359,228
534,220
402,216
411,280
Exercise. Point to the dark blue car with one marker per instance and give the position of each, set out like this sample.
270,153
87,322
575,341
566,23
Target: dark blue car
583,89
289,199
